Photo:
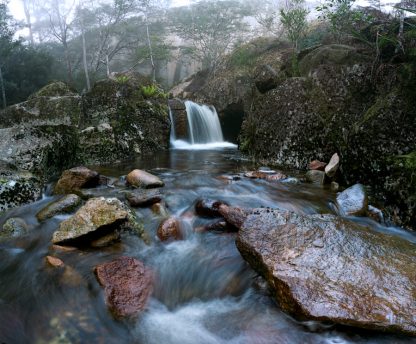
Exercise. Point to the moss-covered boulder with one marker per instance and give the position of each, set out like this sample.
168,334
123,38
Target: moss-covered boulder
13,227
124,116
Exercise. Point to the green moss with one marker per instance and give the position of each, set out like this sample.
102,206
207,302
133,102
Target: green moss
375,109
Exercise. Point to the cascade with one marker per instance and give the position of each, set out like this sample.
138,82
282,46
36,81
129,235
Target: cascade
204,129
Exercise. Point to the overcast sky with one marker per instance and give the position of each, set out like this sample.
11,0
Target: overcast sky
16,7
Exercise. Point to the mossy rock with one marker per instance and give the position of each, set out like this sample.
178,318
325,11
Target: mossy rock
54,89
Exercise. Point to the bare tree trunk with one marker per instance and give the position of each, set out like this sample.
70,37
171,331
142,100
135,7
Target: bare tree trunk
84,60
400,35
28,20
149,43
68,63
3,90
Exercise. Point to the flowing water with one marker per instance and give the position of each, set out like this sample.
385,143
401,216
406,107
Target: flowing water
204,129
204,292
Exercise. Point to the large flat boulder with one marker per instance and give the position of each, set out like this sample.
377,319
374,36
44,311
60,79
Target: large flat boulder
323,267
127,285
98,217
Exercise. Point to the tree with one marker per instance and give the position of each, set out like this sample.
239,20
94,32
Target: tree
211,28
294,22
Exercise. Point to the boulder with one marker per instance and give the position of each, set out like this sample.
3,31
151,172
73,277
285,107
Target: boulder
353,201
315,177
75,179
266,78
323,267
169,229
127,285
64,205
13,227
317,165
18,188
143,198
143,179
97,218
333,165
208,207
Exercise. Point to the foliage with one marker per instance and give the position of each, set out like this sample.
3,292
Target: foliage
152,91
294,21
340,16
122,79
243,56
211,28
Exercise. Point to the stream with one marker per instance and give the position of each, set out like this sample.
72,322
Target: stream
204,292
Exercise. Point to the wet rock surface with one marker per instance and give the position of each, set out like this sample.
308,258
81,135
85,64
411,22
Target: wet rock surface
13,227
143,179
315,177
353,201
208,207
325,268
143,198
127,285
66,204
76,178
98,217
169,229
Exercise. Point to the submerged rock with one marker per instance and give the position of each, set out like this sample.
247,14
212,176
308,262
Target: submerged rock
325,268
127,285
64,205
76,178
143,179
54,262
332,167
315,177
143,198
353,201
13,227
169,229
269,175
97,217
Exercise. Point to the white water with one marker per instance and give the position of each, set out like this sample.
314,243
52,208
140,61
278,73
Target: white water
204,129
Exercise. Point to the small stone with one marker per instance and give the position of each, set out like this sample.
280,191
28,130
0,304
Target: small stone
64,205
169,229
143,179
353,201
317,165
315,177
160,209
332,167
63,248
54,262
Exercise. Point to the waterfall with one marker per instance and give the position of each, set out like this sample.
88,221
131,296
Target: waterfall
204,129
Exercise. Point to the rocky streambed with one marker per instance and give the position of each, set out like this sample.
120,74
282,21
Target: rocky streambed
202,248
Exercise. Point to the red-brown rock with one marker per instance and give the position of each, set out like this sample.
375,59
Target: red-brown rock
143,179
54,262
317,165
169,229
127,285
208,207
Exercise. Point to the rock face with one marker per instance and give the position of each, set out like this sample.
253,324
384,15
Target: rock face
76,178
127,285
97,217
353,201
18,188
57,128
325,268
143,179
180,117
64,205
